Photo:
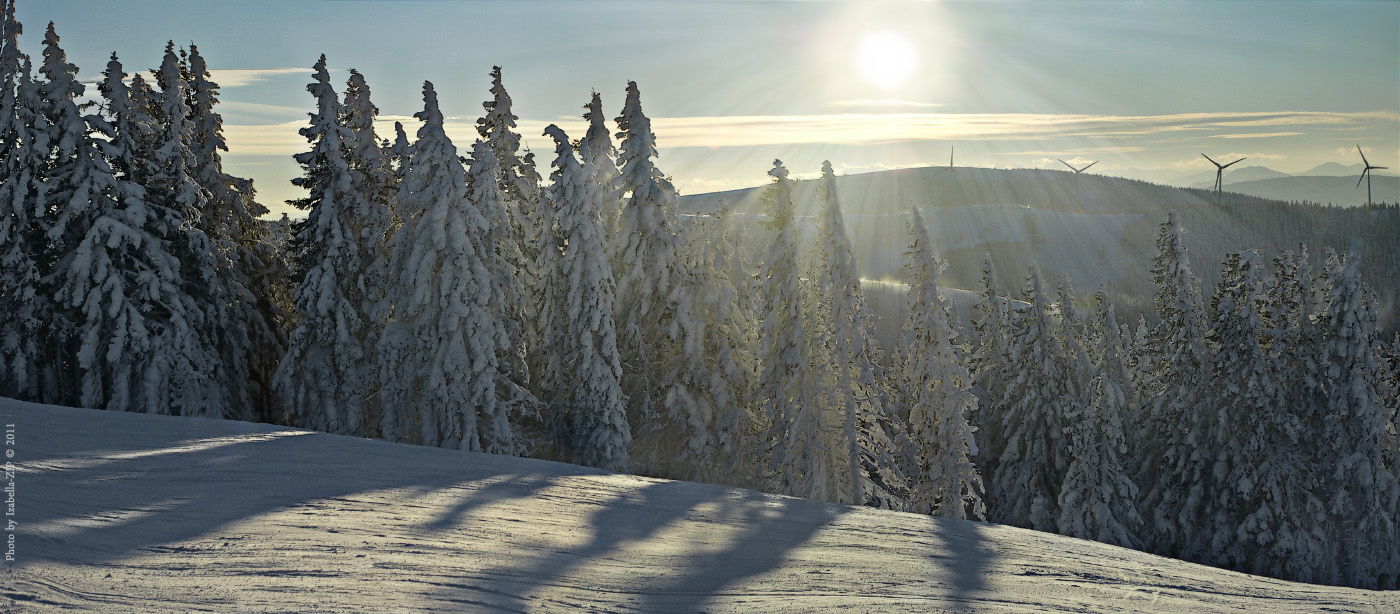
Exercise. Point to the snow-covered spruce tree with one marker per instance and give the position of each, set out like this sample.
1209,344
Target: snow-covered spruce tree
597,152
1358,490
991,327
215,389
500,255
937,385
251,338
399,152
1032,467
24,148
1263,516
526,221
329,372
598,414
655,305
797,449
869,473
1098,497
439,369
724,293
120,280
1292,338
1173,468
372,177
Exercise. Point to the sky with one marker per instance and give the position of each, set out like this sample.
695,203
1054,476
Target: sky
1141,87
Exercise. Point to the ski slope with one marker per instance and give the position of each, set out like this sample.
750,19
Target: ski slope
135,513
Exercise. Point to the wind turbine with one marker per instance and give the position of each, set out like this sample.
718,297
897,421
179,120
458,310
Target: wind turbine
944,169
1219,175
1076,175
1366,174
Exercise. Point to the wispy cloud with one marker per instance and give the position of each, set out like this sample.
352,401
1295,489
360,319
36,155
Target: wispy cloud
868,129
1256,135
239,77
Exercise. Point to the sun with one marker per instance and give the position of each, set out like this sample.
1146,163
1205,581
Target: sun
886,59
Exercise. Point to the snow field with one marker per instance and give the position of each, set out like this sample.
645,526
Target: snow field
125,512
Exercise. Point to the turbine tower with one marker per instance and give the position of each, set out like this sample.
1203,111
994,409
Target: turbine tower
1076,176
944,169
1366,174
1219,175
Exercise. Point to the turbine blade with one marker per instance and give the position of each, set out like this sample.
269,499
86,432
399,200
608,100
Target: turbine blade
1239,160
1363,155
1067,164
1211,161
1087,167
1381,167
1361,178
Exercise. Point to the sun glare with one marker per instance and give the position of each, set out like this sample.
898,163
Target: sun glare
886,59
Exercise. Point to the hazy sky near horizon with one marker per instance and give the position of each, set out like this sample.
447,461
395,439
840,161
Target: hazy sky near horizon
730,85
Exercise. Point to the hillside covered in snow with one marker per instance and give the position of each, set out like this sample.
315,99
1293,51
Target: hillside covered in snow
117,512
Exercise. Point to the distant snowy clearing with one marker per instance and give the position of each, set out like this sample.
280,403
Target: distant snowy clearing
135,513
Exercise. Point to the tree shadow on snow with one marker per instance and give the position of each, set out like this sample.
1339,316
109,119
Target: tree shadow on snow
759,530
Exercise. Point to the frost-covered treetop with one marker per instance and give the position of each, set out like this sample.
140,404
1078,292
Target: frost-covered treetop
778,171
499,123
598,140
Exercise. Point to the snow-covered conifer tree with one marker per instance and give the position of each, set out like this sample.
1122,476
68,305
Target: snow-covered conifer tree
121,280
654,303
1172,471
1098,497
441,340
372,177
724,294
220,388
329,372
991,326
251,337
1263,517
596,150
1032,467
601,436
798,453
869,474
24,149
938,384
1359,491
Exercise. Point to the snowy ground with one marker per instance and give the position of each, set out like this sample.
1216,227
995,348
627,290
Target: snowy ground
134,513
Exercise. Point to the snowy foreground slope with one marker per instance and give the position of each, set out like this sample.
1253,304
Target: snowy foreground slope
134,513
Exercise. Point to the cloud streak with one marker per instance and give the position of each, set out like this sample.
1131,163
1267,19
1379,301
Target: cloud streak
871,129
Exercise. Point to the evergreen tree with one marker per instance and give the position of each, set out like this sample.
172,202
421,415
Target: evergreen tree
250,334
1097,500
870,475
215,389
24,148
724,292
598,416
655,308
374,181
328,373
1264,519
441,340
1359,492
507,296
1174,469
122,279
796,448
597,151
1036,399
938,386
991,324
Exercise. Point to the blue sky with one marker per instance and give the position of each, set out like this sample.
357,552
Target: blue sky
1143,87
